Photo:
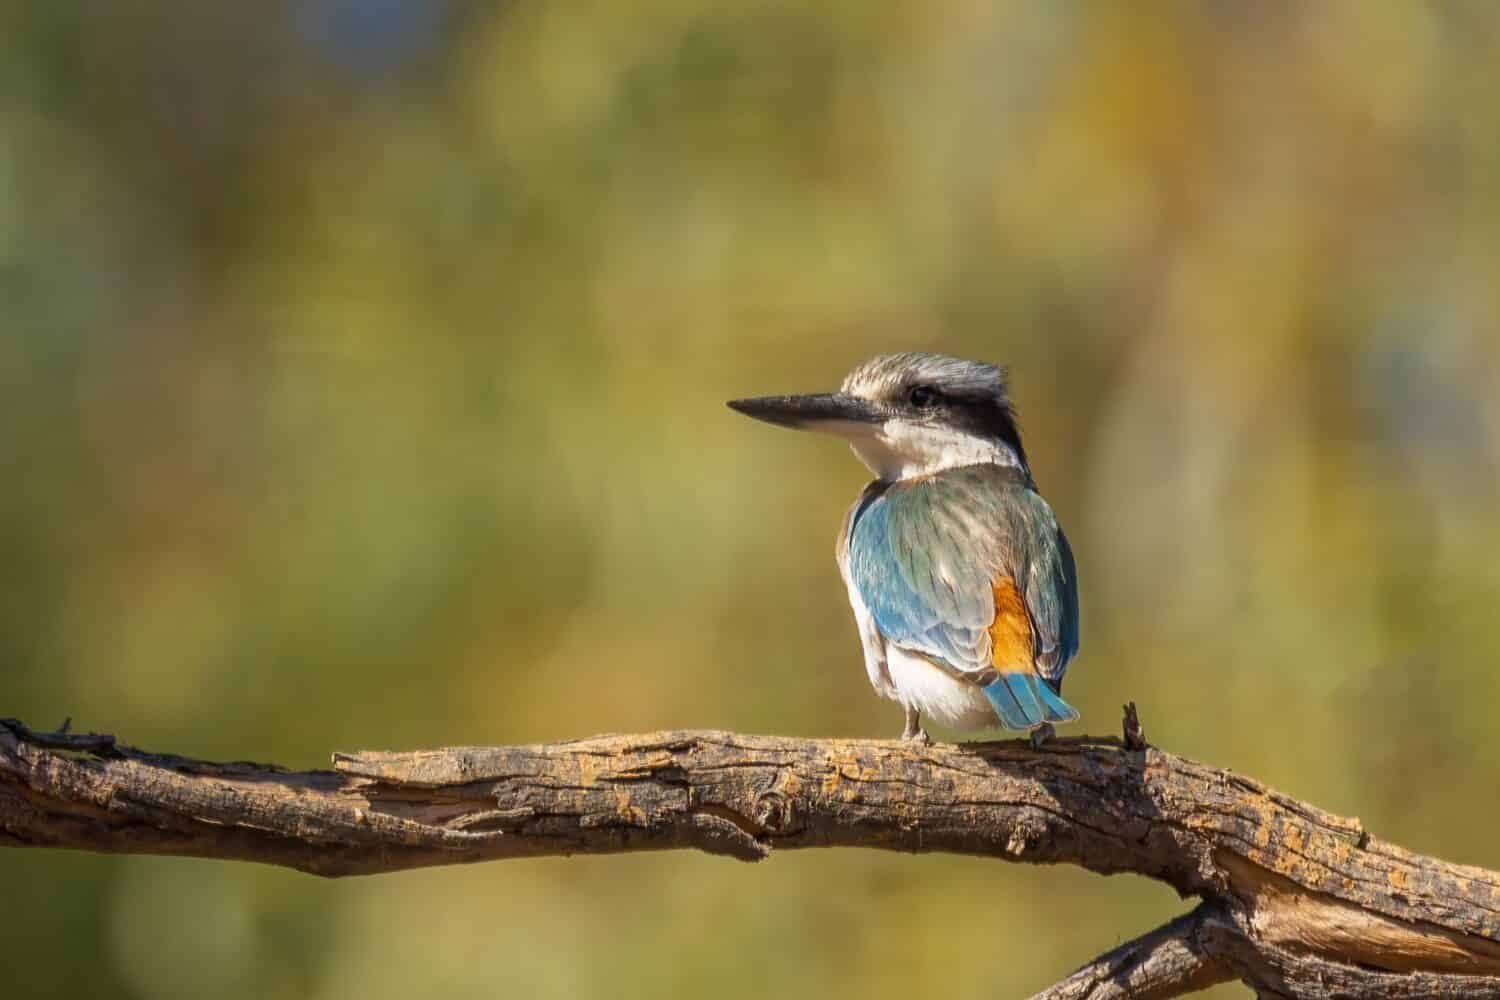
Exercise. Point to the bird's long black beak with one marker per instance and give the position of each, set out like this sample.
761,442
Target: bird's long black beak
827,411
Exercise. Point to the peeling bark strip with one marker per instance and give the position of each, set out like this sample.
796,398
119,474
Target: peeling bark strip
1296,902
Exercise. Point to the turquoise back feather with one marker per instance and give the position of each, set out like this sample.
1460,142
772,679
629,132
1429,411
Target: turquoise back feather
925,554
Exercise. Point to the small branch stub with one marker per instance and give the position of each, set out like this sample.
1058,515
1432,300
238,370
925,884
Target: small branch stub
1135,736
62,738
1295,901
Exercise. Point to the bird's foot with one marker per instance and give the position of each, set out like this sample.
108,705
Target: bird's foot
913,732
1041,734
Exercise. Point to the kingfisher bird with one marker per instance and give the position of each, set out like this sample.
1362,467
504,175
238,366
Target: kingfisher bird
961,580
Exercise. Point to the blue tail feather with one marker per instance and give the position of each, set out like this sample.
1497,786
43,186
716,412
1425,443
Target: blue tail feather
1014,713
1022,700
1057,709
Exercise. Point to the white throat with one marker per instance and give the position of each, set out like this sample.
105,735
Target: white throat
900,449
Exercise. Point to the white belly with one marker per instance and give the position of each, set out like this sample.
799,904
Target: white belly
936,693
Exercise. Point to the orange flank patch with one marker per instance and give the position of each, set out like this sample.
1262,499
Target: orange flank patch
1010,632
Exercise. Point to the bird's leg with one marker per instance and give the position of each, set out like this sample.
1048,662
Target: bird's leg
1041,734
914,731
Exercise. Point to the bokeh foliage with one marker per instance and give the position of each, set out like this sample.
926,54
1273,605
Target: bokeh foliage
361,381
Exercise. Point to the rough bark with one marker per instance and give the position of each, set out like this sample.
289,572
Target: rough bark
1296,902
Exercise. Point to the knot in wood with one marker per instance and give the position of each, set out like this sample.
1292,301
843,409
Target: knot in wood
774,813
1025,834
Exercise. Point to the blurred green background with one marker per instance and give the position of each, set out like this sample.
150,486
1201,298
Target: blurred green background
362,386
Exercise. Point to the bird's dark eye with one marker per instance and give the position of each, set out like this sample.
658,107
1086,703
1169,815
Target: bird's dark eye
923,396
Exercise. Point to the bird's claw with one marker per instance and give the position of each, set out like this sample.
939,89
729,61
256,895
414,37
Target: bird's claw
1041,734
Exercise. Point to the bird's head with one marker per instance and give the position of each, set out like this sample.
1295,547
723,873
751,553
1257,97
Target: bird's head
908,415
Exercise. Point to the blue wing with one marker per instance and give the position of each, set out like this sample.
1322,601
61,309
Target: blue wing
926,590
1052,601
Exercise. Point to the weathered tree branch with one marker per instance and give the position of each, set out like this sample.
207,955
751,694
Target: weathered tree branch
1168,962
1296,902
